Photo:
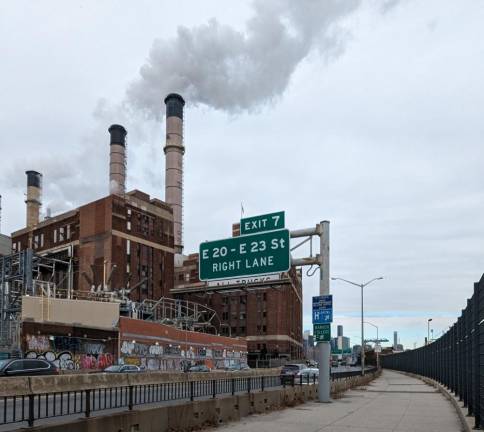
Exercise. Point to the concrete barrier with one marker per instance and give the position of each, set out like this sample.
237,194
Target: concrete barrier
11,386
64,383
18,386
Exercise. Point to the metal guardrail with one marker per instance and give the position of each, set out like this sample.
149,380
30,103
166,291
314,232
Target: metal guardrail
455,360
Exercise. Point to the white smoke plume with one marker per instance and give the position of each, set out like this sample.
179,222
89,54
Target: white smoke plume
235,71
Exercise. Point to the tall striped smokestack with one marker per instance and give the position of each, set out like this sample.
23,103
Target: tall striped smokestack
174,151
34,197
117,159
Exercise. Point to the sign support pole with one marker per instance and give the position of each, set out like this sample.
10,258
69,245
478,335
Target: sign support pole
324,348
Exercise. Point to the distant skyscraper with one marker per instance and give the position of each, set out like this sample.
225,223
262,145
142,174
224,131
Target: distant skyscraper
340,330
395,341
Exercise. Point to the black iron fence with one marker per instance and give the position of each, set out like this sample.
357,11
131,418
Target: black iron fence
455,360
29,408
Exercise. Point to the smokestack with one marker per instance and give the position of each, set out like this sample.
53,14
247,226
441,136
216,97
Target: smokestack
34,197
117,159
174,151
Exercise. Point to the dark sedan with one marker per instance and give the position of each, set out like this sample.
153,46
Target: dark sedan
27,367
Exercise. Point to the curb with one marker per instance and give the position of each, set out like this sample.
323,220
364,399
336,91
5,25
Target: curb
466,420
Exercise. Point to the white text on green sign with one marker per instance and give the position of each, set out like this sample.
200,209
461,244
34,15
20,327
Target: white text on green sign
247,255
267,222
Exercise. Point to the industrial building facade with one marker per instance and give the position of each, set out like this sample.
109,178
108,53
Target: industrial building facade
125,251
114,242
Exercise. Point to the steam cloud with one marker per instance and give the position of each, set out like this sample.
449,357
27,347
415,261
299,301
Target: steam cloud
212,64
235,71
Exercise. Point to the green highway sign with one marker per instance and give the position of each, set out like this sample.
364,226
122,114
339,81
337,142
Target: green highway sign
322,332
248,255
267,222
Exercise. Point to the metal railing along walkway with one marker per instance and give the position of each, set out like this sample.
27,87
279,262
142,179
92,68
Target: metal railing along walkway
455,360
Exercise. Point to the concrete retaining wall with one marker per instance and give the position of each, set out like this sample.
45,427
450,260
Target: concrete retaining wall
200,413
63,383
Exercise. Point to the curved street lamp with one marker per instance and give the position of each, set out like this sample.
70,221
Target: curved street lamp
363,285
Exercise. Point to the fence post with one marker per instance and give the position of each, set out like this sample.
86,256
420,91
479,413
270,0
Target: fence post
130,398
248,384
233,386
88,403
31,410
476,374
191,390
214,388
262,383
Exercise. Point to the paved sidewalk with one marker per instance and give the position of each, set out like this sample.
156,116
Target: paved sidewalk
392,403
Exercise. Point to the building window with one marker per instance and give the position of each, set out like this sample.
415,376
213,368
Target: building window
264,329
36,242
243,300
242,331
234,331
264,314
225,300
187,277
242,316
55,235
129,212
42,240
68,232
128,225
14,247
264,296
61,234
128,247
225,316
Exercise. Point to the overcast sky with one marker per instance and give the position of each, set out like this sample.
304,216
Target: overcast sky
368,115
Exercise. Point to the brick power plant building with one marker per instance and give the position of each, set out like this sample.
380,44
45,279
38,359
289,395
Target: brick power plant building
108,282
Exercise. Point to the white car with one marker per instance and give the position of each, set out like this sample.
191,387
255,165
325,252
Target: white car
311,373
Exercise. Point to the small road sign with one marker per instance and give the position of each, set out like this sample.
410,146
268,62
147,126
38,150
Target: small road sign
323,309
378,348
248,255
322,332
267,222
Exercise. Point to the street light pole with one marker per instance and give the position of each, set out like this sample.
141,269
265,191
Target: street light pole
377,343
428,330
362,317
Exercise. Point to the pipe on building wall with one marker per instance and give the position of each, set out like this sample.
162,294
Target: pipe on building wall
174,151
34,197
117,160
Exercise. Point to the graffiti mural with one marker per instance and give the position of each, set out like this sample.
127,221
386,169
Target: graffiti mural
69,353
38,343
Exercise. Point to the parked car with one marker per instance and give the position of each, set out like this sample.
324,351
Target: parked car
26,367
289,372
311,373
237,367
122,369
198,368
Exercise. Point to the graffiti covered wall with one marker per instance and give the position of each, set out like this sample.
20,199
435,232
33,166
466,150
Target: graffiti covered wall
69,353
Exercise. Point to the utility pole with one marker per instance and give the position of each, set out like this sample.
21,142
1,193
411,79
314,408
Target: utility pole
321,260
324,348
